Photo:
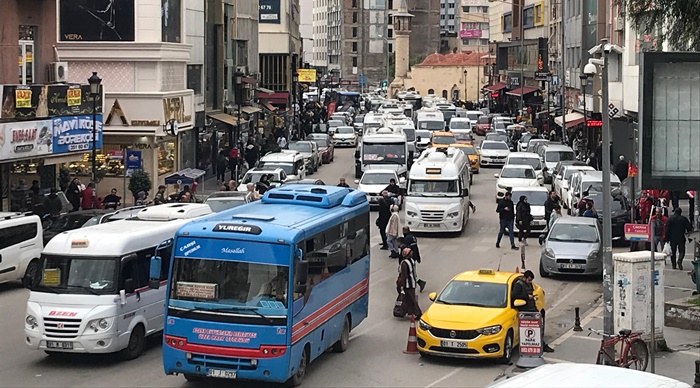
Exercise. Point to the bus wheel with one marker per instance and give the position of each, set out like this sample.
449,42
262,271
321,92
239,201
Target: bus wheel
298,377
342,344
137,341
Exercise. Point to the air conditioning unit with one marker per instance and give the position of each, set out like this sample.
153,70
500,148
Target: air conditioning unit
619,24
58,72
242,69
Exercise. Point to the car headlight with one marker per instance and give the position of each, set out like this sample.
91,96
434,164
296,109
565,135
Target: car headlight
593,256
501,186
490,330
549,252
453,215
423,325
30,320
99,324
411,214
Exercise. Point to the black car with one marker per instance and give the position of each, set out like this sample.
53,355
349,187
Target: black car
620,209
75,220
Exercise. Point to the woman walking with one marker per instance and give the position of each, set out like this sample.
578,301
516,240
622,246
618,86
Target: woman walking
392,232
523,218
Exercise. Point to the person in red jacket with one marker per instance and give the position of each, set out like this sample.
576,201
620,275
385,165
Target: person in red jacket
645,205
659,223
87,197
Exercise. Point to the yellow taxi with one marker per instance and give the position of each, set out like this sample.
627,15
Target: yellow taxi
474,316
442,139
472,153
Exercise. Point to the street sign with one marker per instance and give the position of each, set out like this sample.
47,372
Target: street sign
637,232
530,333
613,110
555,80
541,75
134,161
363,80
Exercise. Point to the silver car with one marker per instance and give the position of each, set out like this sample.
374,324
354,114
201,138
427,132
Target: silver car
572,247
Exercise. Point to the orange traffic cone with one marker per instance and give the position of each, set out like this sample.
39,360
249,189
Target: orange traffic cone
412,345
517,270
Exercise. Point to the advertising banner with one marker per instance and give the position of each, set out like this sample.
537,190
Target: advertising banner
269,11
44,101
134,161
307,75
74,133
96,20
25,139
470,33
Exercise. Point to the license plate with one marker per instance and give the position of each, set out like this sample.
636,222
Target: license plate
453,344
571,266
431,225
222,374
59,345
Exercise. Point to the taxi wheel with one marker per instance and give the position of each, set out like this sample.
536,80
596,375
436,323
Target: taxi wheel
507,348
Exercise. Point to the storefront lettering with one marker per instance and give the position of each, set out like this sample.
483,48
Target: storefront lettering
174,109
116,110
243,337
22,135
145,123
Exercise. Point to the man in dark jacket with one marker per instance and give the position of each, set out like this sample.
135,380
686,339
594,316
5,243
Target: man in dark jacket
383,217
52,204
549,205
676,228
506,215
621,168
524,290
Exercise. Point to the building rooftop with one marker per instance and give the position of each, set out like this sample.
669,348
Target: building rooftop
466,58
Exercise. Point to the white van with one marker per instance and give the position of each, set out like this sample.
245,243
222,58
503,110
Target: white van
21,241
430,119
530,158
93,295
437,197
292,162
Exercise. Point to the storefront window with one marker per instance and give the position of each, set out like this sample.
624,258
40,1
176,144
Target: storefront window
166,158
109,162
187,149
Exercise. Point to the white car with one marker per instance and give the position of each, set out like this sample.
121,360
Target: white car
333,125
460,124
309,151
551,154
536,197
253,175
527,158
374,181
563,180
515,175
344,136
524,141
493,152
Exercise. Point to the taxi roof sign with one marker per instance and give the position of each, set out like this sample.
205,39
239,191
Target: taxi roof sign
486,272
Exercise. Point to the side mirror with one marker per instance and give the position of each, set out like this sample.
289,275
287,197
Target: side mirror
465,192
357,181
28,281
129,286
519,303
301,272
432,296
418,139
541,238
154,272
495,176
402,180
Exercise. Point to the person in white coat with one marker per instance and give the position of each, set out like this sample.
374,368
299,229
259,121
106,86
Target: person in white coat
392,232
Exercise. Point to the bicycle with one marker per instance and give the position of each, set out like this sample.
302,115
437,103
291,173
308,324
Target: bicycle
633,352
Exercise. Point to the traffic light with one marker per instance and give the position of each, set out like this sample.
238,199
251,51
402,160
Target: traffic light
384,84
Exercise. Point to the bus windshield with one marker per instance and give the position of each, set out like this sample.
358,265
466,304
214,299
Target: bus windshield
80,275
377,153
433,125
429,187
239,286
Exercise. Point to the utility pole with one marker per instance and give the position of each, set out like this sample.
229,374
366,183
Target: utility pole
562,78
608,321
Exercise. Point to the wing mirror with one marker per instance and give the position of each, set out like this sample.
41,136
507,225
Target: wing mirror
495,176
519,303
432,296
129,287
357,181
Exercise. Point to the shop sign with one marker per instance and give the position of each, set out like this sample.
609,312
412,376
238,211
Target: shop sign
174,109
514,81
25,139
541,75
74,133
44,101
269,11
134,160
307,75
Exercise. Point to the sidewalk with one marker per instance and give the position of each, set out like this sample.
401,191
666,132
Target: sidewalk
578,347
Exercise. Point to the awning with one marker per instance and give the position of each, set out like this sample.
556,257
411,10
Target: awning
572,119
266,91
184,177
267,105
495,87
250,109
67,158
225,118
249,80
521,91
280,98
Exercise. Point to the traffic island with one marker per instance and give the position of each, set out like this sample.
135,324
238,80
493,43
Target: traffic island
683,313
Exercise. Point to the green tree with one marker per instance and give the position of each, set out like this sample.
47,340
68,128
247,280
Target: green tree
412,60
674,21
139,181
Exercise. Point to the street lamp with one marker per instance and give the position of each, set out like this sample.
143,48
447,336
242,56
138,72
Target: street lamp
295,84
465,85
94,82
606,245
233,140
584,82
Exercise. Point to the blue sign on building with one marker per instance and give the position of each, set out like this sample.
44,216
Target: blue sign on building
134,161
74,133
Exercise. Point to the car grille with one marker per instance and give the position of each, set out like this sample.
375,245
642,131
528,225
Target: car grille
459,334
454,350
432,216
61,327
571,261
497,157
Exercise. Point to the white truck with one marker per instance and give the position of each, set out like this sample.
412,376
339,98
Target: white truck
93,295
382,148
437,196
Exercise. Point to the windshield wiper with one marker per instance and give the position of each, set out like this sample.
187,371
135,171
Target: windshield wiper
88,289
254,310
473,304
43,287
444,302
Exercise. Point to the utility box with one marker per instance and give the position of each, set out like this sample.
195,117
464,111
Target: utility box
632,296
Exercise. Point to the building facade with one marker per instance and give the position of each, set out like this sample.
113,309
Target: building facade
456,76
473,34
279,49
306,30
320,35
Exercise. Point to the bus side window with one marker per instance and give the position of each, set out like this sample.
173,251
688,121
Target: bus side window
165,254
143,266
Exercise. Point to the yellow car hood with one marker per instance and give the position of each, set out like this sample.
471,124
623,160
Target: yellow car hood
463,317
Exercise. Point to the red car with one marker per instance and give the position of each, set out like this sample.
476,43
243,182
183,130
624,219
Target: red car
483,125
325,146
